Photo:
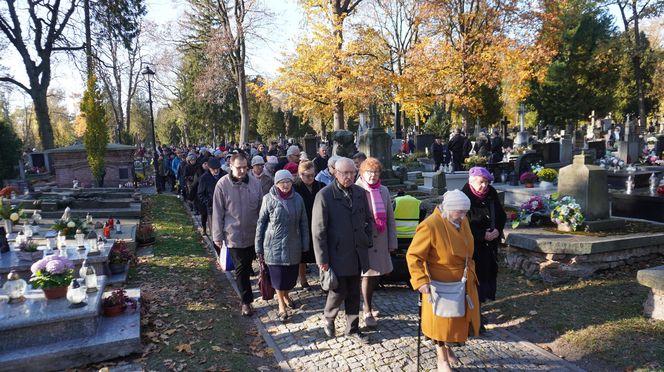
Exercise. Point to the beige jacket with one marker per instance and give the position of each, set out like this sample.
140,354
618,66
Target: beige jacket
235,207
266,180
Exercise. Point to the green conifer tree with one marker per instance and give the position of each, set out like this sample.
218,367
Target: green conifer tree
96,130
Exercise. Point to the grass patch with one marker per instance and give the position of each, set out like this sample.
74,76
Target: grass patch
597,323
191,319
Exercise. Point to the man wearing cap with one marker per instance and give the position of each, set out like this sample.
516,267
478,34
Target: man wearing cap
261,174
487,219
235,206
342,231
293,156
206,191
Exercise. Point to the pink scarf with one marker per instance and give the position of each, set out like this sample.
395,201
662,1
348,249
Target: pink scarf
479,195
380,216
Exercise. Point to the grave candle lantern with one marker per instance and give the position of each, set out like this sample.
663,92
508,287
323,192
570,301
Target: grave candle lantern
80,239
76,294
91,240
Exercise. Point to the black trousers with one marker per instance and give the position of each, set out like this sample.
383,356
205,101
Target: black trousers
242,258
348,293
205,213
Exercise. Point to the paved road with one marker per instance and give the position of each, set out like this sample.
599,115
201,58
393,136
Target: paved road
301,345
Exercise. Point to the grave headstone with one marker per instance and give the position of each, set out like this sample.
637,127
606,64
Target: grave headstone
566,150
344,144
375,142
550,151
587,183
629,150
310,145
524,162
598,147
659,146
434,183
423,141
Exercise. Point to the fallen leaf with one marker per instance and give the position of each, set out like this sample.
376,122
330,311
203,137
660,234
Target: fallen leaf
170,331
183,348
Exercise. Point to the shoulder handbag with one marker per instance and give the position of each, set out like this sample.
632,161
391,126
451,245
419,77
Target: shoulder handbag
448,298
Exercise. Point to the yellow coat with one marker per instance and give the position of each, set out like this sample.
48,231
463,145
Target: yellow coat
443,248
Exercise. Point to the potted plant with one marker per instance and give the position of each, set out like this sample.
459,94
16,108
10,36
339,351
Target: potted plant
52,274
567,214
69,226
145,234
27,251
475,161
116,303
528,179
119,256
547,177
10,215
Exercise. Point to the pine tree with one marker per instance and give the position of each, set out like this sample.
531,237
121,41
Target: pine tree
96,132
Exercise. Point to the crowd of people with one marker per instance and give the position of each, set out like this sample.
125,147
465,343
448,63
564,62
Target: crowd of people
288,212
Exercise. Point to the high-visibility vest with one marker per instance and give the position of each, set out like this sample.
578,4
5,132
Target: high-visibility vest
406,215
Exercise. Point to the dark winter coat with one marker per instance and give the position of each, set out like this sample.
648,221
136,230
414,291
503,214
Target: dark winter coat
308,197
486,253
206,185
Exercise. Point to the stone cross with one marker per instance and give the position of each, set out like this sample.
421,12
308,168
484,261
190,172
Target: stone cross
504,123
522,117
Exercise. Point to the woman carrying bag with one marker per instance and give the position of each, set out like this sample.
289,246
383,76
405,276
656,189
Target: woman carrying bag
282,234
441,255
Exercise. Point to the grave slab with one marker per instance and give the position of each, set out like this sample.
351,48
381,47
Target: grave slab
115,337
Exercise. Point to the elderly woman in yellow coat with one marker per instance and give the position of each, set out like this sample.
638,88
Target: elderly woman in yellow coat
438,251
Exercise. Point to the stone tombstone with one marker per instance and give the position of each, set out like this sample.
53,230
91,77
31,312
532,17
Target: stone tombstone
71,162
375,142
550,151
566,150
423,142
38,159
598,147
310,145
659,146
629,151
587,183
524,162
435,183
344,144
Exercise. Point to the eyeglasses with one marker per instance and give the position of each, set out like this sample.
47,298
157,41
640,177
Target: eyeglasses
372,173
306,175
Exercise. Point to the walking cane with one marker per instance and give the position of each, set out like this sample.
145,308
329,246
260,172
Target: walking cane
419,330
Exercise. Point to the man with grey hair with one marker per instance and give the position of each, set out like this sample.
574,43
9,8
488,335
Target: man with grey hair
342,232
326,176
320,161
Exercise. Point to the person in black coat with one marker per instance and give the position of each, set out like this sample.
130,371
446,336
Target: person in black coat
487,219
456,148
192,173
320,161
438,149
206,185
307,187
496,148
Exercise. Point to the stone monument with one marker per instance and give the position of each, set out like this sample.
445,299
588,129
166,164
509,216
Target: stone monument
344,144
587,183
375,142
71,162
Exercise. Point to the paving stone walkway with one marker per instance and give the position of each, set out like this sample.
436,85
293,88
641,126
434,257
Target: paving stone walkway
301,345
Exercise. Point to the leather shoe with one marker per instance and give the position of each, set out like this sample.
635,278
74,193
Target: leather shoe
247,310
359,337
283,316
329,329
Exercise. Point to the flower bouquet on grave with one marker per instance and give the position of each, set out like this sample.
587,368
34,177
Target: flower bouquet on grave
11,213
536,168
535,211
27,251
145,233
547,174
119,256
6,192
116,303
528,178
52,274
68,227
475,161
567,214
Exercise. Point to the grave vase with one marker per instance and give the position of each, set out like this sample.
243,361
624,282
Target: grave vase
55,293
9,226
564,227
546,185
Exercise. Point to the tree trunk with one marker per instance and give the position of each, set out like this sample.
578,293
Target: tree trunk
244,105
43,120
638,73
338,109
397,121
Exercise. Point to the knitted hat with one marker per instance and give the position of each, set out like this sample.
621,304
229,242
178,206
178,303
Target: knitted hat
214,163
481,172
257,160
282,175
456,200
293,150
216,153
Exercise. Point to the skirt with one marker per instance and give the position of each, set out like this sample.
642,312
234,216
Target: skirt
283,278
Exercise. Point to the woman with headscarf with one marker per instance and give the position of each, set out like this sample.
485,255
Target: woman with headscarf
442,245
487,219
384,234
282,234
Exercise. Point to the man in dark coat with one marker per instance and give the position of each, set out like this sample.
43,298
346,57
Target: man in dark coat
438,149
496,148
456,148
342,225
206,185
320,161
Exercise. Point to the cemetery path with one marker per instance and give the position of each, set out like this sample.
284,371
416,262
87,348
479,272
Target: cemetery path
190,318
301,345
